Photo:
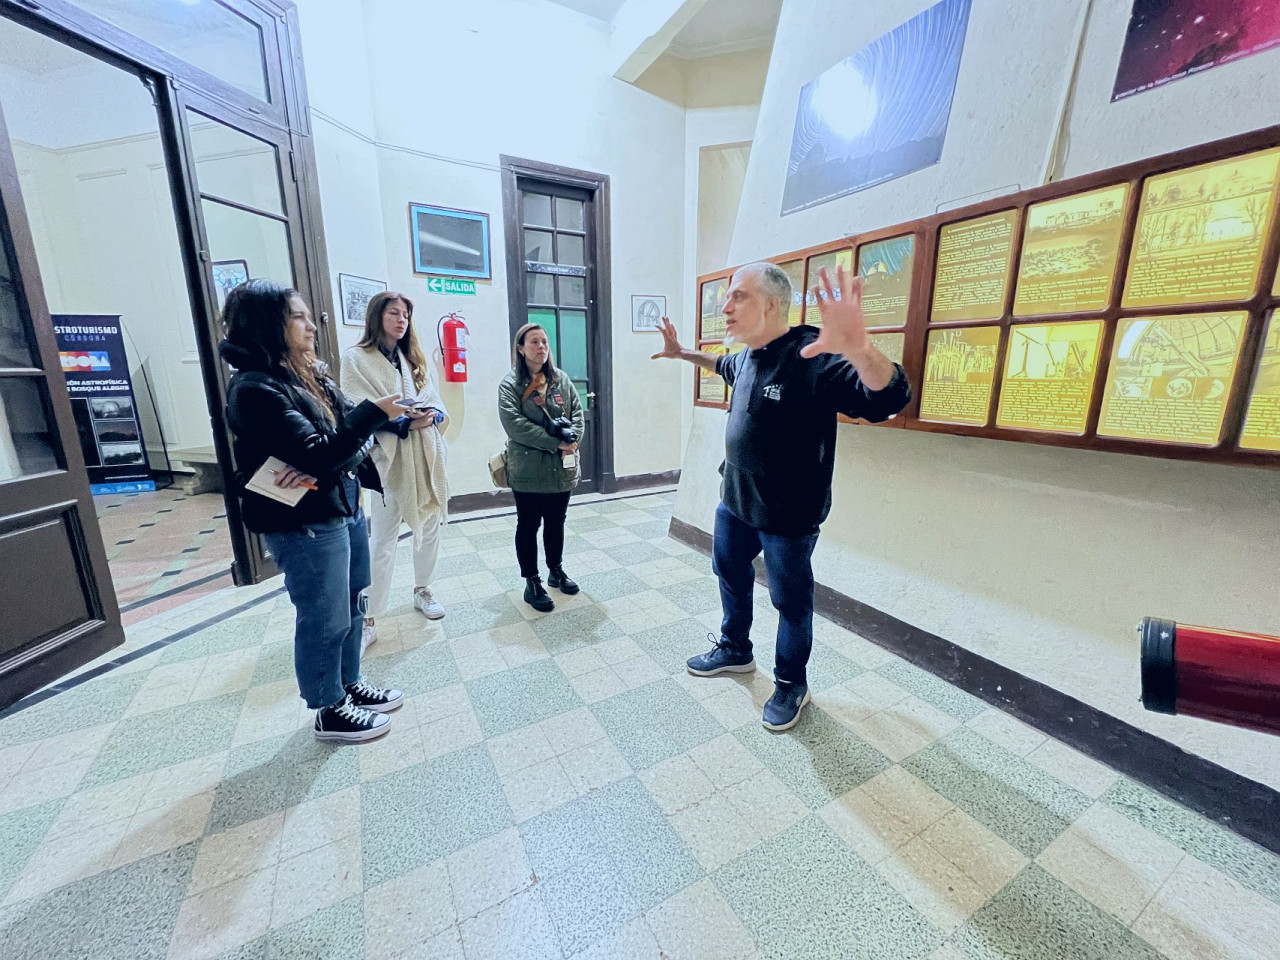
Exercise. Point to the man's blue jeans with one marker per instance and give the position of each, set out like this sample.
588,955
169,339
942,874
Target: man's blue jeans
326,566
790,572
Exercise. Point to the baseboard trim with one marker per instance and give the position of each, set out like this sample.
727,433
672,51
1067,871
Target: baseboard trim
497,499
1245,806
641,481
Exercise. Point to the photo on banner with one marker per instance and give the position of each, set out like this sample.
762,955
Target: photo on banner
1171,39
880,113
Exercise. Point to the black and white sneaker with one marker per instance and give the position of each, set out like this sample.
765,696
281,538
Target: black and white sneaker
345,721
365,695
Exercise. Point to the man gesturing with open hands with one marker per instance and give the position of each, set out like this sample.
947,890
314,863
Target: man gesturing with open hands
789,384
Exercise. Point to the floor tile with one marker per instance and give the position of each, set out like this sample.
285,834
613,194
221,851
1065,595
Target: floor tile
1007,731
316,880
766,804
237,853
870,829
535,789
1037,918
842,909
519,697
1202,914
1073,768
487,873
632,941
162,828
1008,795
1114,862
715,830
166,737
127,912
615,583
931,689
586,903
333,933
818,759
224,918
671,644
677,784
696,924
937,888
430,811
567,630
409,910
652,723
594,765
418,671
1246,863
620,822
21,833
518,929
474,616
519,749
982,856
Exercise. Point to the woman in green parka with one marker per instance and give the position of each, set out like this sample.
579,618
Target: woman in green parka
542,414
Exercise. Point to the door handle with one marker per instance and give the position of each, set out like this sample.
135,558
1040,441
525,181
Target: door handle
324,317
591,395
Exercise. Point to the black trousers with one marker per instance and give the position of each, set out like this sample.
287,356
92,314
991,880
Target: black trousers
532,511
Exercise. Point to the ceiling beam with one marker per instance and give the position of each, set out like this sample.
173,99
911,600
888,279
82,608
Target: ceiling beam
643,30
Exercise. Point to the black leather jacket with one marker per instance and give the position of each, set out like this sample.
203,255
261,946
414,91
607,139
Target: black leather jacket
272,415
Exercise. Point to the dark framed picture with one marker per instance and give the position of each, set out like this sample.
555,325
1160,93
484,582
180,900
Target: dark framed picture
354,293
227,275
448,242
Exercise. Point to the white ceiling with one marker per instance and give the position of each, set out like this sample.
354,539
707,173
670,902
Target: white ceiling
600,9
726,26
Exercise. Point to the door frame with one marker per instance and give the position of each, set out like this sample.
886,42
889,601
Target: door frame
599,293
284,121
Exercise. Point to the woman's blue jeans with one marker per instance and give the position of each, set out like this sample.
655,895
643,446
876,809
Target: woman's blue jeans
326,568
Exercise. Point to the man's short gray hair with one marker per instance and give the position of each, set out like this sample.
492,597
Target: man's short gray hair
774,281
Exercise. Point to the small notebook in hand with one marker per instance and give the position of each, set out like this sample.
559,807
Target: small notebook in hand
264,482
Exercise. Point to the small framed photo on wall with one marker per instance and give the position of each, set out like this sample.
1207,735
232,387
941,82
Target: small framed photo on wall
647,311
227,275
448,242
355,293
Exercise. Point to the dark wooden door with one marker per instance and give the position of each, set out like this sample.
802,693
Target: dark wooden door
57,605
558,257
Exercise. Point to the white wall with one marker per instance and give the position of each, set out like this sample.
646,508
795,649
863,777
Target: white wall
528,79
1040,558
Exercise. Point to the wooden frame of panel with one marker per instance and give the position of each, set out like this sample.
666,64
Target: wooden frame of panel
1258,306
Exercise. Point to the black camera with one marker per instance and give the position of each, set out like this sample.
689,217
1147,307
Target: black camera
562,429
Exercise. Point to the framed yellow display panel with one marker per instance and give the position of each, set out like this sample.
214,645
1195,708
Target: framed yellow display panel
714,295
1081,313
1048,376
1201,232
1170,377
959,372
1069,252
974,261
887,269
892,345
710,388
1262,422
794,269
829,262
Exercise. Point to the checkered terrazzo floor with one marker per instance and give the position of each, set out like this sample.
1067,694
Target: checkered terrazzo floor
557,787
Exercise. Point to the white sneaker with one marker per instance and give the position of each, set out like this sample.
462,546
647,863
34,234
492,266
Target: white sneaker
427,605
368,636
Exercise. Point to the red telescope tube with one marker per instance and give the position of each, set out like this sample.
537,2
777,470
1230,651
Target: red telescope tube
1221,675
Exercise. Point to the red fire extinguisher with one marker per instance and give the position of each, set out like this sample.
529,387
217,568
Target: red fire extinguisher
452,333
1224,675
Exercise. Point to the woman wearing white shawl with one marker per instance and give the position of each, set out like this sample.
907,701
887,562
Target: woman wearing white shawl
410,454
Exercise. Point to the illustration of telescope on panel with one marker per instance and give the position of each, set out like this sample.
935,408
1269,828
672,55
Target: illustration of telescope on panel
1227,676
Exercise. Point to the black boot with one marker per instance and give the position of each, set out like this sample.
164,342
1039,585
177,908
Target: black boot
560,580
537,597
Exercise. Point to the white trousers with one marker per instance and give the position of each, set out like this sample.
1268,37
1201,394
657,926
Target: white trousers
384,531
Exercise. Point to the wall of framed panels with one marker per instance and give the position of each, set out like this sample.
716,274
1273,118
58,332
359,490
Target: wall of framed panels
1129,310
